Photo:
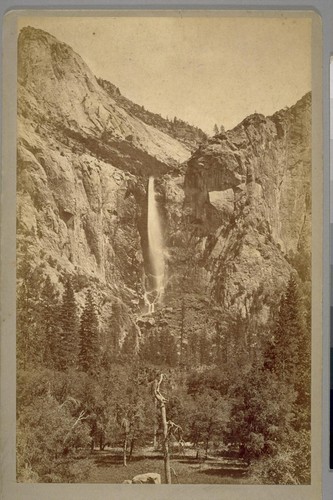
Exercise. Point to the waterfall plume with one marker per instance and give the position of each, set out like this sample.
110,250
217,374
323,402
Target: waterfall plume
156,278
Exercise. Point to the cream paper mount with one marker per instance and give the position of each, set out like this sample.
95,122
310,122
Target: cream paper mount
168,199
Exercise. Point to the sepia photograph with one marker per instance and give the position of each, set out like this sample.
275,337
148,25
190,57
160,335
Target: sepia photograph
164,201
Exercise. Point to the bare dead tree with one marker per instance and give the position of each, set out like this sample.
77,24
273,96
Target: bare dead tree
161,401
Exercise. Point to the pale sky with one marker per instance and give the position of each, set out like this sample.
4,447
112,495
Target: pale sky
204,70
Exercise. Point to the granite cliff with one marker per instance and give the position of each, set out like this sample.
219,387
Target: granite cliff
239,219
236,210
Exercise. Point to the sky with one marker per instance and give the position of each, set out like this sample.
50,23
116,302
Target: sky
202,69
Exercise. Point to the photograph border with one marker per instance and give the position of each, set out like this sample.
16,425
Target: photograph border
8,299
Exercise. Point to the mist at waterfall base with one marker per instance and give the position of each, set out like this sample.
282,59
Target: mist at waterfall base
156,276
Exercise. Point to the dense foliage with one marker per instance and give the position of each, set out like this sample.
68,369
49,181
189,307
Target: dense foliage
82,386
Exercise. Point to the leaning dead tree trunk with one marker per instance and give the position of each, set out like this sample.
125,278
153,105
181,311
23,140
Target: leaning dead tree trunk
161,401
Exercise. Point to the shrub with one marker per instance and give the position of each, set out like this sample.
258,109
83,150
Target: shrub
47,433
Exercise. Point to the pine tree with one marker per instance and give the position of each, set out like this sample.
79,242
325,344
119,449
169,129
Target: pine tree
169,348
220,353
216,129
204,348
192,349
29,334
51,323
303,379
69,340
289,354
89,337
111,337
115,322
284,353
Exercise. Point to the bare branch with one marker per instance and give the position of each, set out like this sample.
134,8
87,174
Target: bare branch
81,417
162,400
174,427
176,431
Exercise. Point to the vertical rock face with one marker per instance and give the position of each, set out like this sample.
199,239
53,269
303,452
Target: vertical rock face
266,159
236,215
242,212
82,162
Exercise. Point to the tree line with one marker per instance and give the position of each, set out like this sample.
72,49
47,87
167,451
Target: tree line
80,386
49,329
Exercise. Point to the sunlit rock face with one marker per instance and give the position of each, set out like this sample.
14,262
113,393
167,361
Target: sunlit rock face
265,161
234,216
222,200
82,172
242,213
57,87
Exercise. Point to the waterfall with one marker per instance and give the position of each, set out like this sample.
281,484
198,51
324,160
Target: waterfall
155,250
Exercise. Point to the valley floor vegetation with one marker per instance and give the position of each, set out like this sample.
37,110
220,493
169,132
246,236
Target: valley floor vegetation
85,397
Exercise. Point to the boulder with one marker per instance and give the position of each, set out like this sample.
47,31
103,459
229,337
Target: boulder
148,478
